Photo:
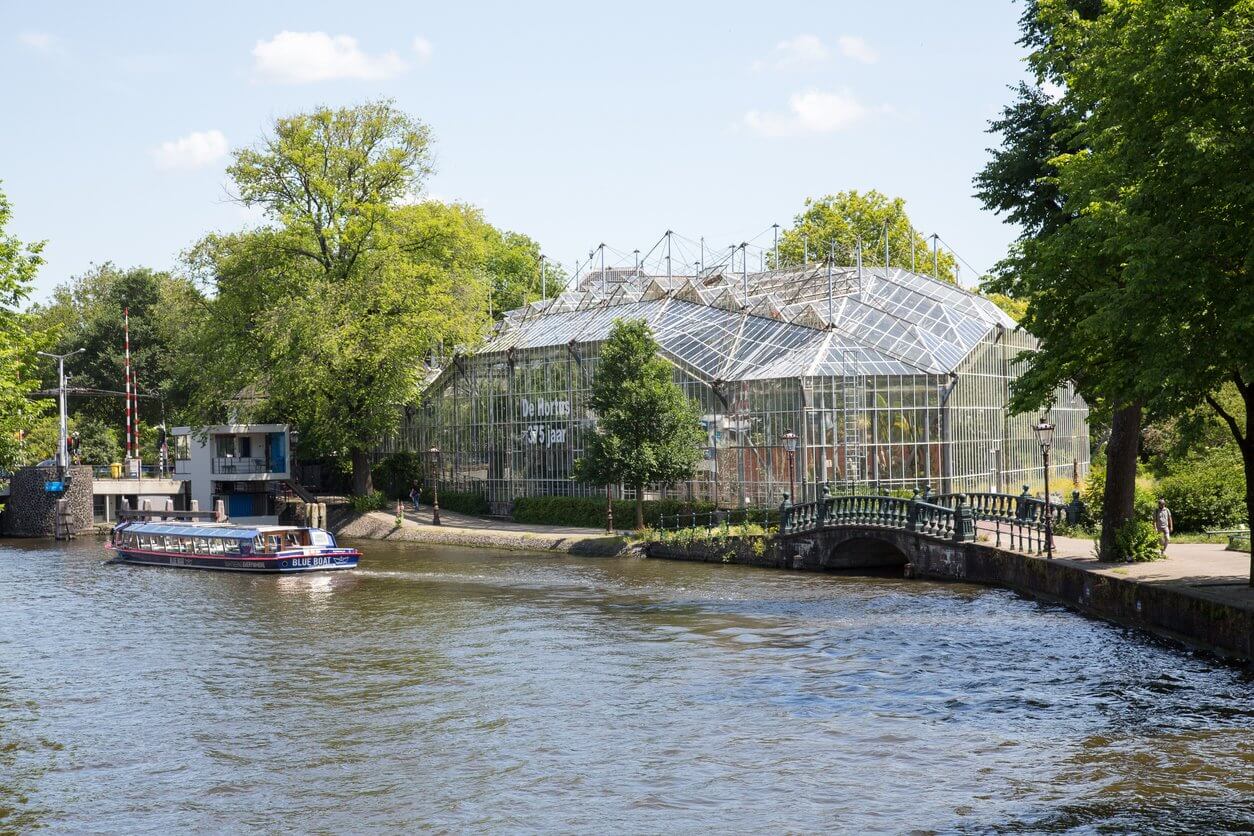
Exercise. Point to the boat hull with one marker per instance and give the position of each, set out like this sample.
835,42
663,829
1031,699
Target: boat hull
270,564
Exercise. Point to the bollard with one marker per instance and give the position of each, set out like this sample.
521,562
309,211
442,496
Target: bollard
219,510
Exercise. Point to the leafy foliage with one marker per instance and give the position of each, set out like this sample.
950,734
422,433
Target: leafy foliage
463,502
834,223
1205,493
19,339
334,295
396,473
87,313
365,503
647,429
1137,542
589,511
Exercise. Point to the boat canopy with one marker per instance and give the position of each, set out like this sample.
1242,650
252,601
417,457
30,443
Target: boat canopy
226,532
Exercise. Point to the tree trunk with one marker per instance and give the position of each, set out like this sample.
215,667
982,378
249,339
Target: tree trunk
1119,497
362,483
639,507
1247,453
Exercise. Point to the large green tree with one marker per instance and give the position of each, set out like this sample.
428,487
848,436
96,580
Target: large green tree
833,223
1141,277
87,313
1072,287
19,262
328,312
647,430
1166,177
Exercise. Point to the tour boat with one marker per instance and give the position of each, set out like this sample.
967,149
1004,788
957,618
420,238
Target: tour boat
236,548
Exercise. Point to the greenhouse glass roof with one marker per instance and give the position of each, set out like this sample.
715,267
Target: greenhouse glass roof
774,324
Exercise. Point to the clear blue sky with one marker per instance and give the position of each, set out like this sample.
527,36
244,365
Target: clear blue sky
575,123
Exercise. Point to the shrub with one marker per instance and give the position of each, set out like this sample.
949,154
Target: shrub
376,501
1137,542
396,473
463,502
1205,493
589,511
1093,494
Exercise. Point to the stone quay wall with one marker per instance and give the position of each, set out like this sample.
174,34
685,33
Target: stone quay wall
32,512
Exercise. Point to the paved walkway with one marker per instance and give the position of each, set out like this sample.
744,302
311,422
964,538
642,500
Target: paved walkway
1203,570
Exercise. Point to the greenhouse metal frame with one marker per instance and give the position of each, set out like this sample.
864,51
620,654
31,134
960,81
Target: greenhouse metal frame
890,380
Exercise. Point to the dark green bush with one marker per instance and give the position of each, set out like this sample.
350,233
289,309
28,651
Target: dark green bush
590,512
1138,542
1093,495
463,502
394,474
376,501
1205,493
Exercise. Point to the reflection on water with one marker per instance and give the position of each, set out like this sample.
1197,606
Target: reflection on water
465,690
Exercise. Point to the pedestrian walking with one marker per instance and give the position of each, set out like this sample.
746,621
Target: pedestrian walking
1163,524
414,495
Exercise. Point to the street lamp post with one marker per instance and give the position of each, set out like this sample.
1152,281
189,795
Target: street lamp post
434,454
790,445
63,453
1045,436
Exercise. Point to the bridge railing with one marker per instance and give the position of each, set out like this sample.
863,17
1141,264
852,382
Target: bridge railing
1015,521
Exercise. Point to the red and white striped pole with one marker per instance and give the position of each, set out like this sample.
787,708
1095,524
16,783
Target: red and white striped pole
126,332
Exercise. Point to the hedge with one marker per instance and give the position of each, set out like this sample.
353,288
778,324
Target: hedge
589,512
463,502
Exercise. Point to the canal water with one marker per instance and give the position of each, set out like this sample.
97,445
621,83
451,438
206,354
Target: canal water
460,690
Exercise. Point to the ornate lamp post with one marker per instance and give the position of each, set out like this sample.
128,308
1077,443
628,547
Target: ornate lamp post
790,445
434,456
1045,437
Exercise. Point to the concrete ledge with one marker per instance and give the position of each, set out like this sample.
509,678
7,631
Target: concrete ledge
378,525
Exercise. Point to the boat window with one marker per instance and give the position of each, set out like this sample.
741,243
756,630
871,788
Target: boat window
259,544
232,547
273,542
170,544
200,545
216,546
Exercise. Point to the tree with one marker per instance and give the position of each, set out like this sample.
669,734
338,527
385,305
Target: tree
456,236
18,340
838,220
329,312
647,430
1073,286
87,313
1164,177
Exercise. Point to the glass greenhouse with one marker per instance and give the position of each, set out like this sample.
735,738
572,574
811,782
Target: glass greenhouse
888,378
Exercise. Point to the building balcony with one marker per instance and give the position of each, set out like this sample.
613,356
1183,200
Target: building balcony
245,466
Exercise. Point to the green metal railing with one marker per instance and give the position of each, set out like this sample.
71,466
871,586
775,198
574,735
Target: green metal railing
1015,522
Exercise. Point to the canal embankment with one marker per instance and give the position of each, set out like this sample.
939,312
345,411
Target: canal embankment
463,530
1199,595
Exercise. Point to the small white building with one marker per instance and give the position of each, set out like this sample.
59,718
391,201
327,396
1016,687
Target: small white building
244,465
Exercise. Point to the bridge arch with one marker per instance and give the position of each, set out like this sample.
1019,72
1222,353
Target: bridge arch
865,551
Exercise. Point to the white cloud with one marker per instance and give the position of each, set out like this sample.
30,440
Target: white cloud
811,112
41,41
199,148
422,48
801,52
301,57
851,46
